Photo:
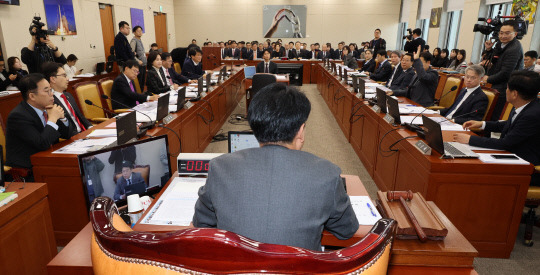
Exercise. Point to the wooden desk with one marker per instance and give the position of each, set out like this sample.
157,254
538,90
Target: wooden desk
484,201
7,103
196,130
26,233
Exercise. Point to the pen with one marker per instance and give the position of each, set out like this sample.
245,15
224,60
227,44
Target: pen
371,210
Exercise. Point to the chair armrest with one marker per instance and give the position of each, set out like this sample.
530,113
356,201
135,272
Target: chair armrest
436,107
120,111
7,169
537,169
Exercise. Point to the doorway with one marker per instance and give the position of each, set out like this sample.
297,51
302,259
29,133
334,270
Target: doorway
107,27
160,23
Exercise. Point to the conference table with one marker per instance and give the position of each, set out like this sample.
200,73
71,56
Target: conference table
484,201
453,255
195,126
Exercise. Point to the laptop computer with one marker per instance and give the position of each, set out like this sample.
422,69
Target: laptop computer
434,139
126,128
249,72
241,140
393,109
162,107
381,100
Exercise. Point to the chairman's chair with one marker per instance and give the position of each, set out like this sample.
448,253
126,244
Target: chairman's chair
448,96
144,170
116,249
89,91
259,81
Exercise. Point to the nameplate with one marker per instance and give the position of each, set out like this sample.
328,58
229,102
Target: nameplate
203,94
376,109
211,89
388,118
351,89
168,119
359,95
188,105
423,147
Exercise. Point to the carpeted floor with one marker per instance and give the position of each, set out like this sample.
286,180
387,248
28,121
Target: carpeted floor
325,139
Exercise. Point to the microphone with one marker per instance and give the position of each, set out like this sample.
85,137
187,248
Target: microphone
462,115
447,93
89,102
145,125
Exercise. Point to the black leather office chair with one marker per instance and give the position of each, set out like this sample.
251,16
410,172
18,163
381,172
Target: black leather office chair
259,81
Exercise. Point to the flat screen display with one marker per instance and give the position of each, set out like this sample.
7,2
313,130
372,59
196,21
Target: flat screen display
241,140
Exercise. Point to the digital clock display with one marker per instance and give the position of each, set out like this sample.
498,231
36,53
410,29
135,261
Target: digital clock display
193,166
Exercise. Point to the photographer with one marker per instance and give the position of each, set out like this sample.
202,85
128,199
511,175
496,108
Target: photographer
414,40
507,57
41,49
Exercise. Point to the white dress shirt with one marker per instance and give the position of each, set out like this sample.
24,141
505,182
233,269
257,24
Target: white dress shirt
467,94
58,95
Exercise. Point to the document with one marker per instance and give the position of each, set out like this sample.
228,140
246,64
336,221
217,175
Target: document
82,146
281,77
373,84
412,109
365,210
103,133
409,119
177,204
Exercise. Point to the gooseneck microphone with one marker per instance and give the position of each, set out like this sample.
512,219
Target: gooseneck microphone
89,102
462,115
145,125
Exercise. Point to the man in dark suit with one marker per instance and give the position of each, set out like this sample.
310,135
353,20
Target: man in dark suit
123,88
289,51
35,124
404,78
472,102
223,50
384,71
412,45
233,52
324,53
519,134
377,43
312,54
57,78
192,68
339,51
116,157
129,179
170,73
122,48
268,209
251,53
260,51
424,83
267,66
298,52
395,58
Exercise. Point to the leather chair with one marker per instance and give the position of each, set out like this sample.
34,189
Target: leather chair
493,96
448,96
506,111
532,202
18,174
144,170
89,90
137,86
260,81
116,249
105,86
177,67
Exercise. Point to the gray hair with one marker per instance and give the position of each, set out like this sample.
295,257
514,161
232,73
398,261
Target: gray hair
477,69
398,53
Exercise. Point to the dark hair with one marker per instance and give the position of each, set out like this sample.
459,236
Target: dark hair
277,112
165,55
127,163
532,54
464,54
409,55
438,52
153,45
28,84
426,47
50,69
193,40
122,23
526,83
136,28
426,56
151,58
511,23
382,53
194,51
417,31
445,51
378,30
368,50
130,64
10,63
72,57
267,50
398,53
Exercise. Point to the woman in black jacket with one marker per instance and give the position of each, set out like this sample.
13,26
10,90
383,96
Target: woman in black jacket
15,68
157,79
369,63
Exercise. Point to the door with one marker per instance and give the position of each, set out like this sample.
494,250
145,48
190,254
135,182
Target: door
107,27
160,23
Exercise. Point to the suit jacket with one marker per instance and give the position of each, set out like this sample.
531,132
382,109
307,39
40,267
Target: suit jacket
236,54
402,80
260,53
78,113
177,78
519,137
377,45
477,100
272,67
383,73
309,55
121,91
122,49
321,55
268,209
422,87
4,80
297,53
350,61
191,71
121,184
369,66
276,54
247,54
396,72
154,84
337,54
505,61
26,135
412,46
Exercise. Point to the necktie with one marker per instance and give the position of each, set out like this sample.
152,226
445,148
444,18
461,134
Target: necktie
393,74
72,112
129,181
169,77
232,53
163,78
46,116
266,68
133,90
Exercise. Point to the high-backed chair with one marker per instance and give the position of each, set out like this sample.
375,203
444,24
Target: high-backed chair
506,111
259,81
448,96
532,202
177,68
144,170
89,91
137,86
16,173
116,249
105,86
493,96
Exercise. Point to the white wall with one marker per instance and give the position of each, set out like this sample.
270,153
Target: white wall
327,20
15,20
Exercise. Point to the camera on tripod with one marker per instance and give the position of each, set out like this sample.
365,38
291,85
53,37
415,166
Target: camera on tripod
409,36
39,32
494,26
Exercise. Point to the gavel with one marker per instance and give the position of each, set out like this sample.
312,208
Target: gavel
402,195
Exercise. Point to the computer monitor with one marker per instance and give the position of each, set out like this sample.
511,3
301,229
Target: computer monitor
109,67
381,100
181,99
393,109
208,82
249,72
345,76
355,83
433,134
126,128
145,163
334,69
241,140
340,72
362,87
200,85
100,68
162,107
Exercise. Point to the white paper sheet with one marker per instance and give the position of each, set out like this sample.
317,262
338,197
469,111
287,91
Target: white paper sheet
409,119
82,146
373,84
281,77
365,210
103,133
483,149
488,158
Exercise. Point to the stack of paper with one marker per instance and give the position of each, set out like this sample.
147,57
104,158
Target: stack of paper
82,146
103,133
365,211
7,197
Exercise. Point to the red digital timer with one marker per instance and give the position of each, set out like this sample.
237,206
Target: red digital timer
195,163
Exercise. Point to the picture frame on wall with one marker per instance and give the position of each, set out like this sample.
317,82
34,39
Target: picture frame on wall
284,21
137,18
60,17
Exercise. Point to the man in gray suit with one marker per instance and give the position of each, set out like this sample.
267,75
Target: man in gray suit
129,183
276,193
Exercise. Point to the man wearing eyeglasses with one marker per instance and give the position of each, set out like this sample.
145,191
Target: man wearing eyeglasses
35,124
507,57
123,88
57,77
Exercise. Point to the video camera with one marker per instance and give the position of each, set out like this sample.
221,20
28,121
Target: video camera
409,36
494,25
39,32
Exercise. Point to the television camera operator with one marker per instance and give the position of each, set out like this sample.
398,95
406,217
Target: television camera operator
414,40
41,49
